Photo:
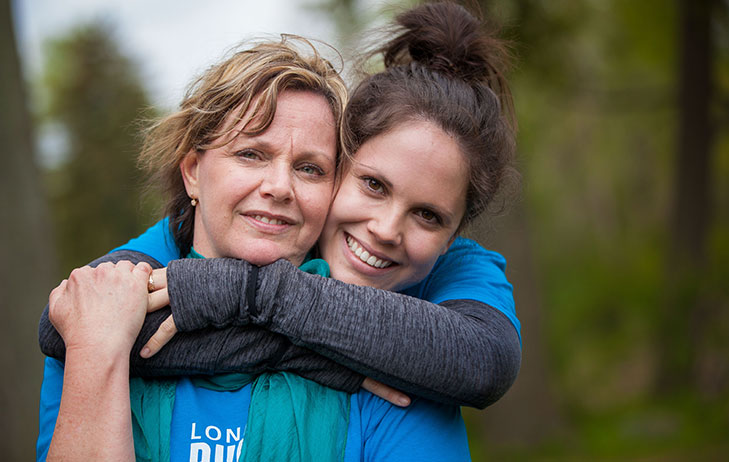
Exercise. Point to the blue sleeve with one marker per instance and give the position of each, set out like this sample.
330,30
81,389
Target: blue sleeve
50,402
424,431
469,272
157,242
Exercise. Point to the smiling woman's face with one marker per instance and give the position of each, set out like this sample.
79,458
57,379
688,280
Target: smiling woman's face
398,208
265,197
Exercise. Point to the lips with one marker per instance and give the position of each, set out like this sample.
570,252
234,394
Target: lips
272,221
356,248
268,223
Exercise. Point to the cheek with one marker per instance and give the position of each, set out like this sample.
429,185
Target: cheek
424,251
220,185
314,202
349,201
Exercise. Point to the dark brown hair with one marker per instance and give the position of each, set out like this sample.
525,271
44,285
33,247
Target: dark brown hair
443,67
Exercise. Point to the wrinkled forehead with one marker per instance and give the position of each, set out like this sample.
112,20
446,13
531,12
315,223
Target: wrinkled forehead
302,124
262,110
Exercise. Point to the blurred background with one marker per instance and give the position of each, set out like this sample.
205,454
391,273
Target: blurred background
617,243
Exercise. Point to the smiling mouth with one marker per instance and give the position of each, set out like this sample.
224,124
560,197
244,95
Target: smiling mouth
270,221
365,256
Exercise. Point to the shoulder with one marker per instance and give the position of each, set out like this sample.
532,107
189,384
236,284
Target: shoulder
157,242
465,251
463,270
468,271
423,431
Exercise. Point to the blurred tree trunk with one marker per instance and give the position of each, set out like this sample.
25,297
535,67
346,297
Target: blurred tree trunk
26,262
686,263
529,413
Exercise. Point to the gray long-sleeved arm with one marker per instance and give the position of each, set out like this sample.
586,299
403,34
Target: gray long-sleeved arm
250,349
461,352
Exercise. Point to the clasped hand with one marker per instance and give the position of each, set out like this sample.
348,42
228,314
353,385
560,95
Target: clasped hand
101,309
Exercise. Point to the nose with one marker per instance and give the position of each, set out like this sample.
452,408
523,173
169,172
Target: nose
386,227
277,183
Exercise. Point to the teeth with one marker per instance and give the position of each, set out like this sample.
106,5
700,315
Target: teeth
272,221
365,255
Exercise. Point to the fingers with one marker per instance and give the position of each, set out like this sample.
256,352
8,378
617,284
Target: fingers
53,298
78,274
158,299
164,334
143,267
160,278
57,292
385,392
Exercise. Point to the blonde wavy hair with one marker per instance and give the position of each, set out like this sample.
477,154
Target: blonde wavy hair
250,79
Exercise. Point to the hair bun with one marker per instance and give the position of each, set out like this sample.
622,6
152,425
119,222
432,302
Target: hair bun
446,38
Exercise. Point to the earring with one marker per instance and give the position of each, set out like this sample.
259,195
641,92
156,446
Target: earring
193,201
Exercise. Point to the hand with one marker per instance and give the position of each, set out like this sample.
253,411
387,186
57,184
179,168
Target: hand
101,309
159,297
385,392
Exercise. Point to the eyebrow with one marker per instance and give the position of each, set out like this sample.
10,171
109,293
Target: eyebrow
380,176
259,143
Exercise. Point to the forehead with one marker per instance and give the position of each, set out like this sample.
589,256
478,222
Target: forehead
303,120
430,152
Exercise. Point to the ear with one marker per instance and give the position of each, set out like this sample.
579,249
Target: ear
189,170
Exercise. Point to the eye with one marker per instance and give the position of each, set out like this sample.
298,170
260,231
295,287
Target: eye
311,169
374,185
248,154
429,216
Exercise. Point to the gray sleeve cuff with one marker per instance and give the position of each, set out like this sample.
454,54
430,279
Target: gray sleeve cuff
208,293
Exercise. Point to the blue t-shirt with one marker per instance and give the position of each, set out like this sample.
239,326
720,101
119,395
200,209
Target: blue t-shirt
209,425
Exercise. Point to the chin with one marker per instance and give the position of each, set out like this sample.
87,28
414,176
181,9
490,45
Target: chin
360,280
262,255
261,261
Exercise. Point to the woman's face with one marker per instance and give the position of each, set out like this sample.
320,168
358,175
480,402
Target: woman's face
265,197
398,208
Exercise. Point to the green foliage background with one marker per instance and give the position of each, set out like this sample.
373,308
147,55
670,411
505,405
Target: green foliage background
96,99
596,94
